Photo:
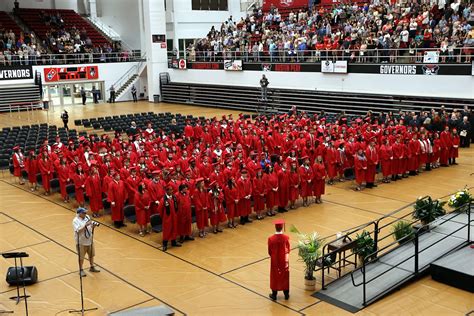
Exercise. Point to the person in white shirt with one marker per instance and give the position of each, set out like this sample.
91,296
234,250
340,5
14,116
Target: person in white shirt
83,234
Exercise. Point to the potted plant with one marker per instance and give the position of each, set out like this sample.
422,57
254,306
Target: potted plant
460,200
402,231
364,245
427,210
309,251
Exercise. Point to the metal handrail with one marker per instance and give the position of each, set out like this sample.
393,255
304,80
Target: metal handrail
127,75
415,255
75,58
392,55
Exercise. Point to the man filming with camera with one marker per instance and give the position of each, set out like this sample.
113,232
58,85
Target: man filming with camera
83,235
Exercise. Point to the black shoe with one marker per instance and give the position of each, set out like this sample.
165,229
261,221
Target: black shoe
219,230
248,220
189,238
165,248
175,244
273,297
287,296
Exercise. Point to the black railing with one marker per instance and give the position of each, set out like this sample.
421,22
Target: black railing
376,228
421,230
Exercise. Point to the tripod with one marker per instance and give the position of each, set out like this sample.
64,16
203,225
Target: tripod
18,297
82,310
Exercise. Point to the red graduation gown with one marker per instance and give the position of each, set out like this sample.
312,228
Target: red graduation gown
258,191
79,185
31,166
372,161
283,188
184,215
244,187
117,193
306,176
201,205
319,183
231,195
63,175
46,169
168,211
271,180
141,202
294,185
360,167
279,252
386,156
93,190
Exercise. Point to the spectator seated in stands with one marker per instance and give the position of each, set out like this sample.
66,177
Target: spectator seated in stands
375,32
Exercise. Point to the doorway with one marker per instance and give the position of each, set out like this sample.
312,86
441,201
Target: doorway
70,93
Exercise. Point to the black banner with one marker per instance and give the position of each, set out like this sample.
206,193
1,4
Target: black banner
16,73
379,69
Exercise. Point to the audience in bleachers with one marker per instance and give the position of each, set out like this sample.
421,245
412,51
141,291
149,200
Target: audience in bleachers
353,32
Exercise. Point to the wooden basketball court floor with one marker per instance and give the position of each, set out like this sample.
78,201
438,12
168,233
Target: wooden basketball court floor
224,274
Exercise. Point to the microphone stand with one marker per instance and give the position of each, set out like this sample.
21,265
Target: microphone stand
82,310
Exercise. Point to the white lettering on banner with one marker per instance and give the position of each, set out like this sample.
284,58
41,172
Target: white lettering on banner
15,74
398,69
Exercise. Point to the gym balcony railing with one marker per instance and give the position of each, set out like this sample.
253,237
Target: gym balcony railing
73,58
393,56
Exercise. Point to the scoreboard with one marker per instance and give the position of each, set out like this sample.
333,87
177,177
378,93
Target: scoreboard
54,74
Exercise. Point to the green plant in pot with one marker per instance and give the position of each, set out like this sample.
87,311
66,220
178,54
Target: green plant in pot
402,231
364,245
309,250
427,210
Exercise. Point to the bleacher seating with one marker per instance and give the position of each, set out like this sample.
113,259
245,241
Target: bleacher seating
7,23
31,17
12,97
281,100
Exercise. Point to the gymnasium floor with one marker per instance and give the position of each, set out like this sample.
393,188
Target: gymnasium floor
225,274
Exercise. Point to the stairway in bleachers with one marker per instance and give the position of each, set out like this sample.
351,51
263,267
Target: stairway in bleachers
246,99
18,97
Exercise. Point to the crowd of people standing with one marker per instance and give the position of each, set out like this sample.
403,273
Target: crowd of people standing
224,170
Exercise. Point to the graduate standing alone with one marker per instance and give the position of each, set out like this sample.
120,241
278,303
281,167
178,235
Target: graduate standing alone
279,252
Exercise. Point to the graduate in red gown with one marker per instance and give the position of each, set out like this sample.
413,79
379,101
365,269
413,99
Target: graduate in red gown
397,151
156,191
31,167
79,179
216,208
169,213
331,160
201,206
271,180
279,252
117,195
306,176
283,187
18,164
132,183
386,158
185,217
46,169
258,193
231,197
63,176
294,183
244,187
446,145
360,168
93,190
319,180
142,202
372,161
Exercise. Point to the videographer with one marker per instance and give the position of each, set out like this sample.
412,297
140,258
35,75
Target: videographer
263,85
83,235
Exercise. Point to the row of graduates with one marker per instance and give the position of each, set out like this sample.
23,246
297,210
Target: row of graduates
403,156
